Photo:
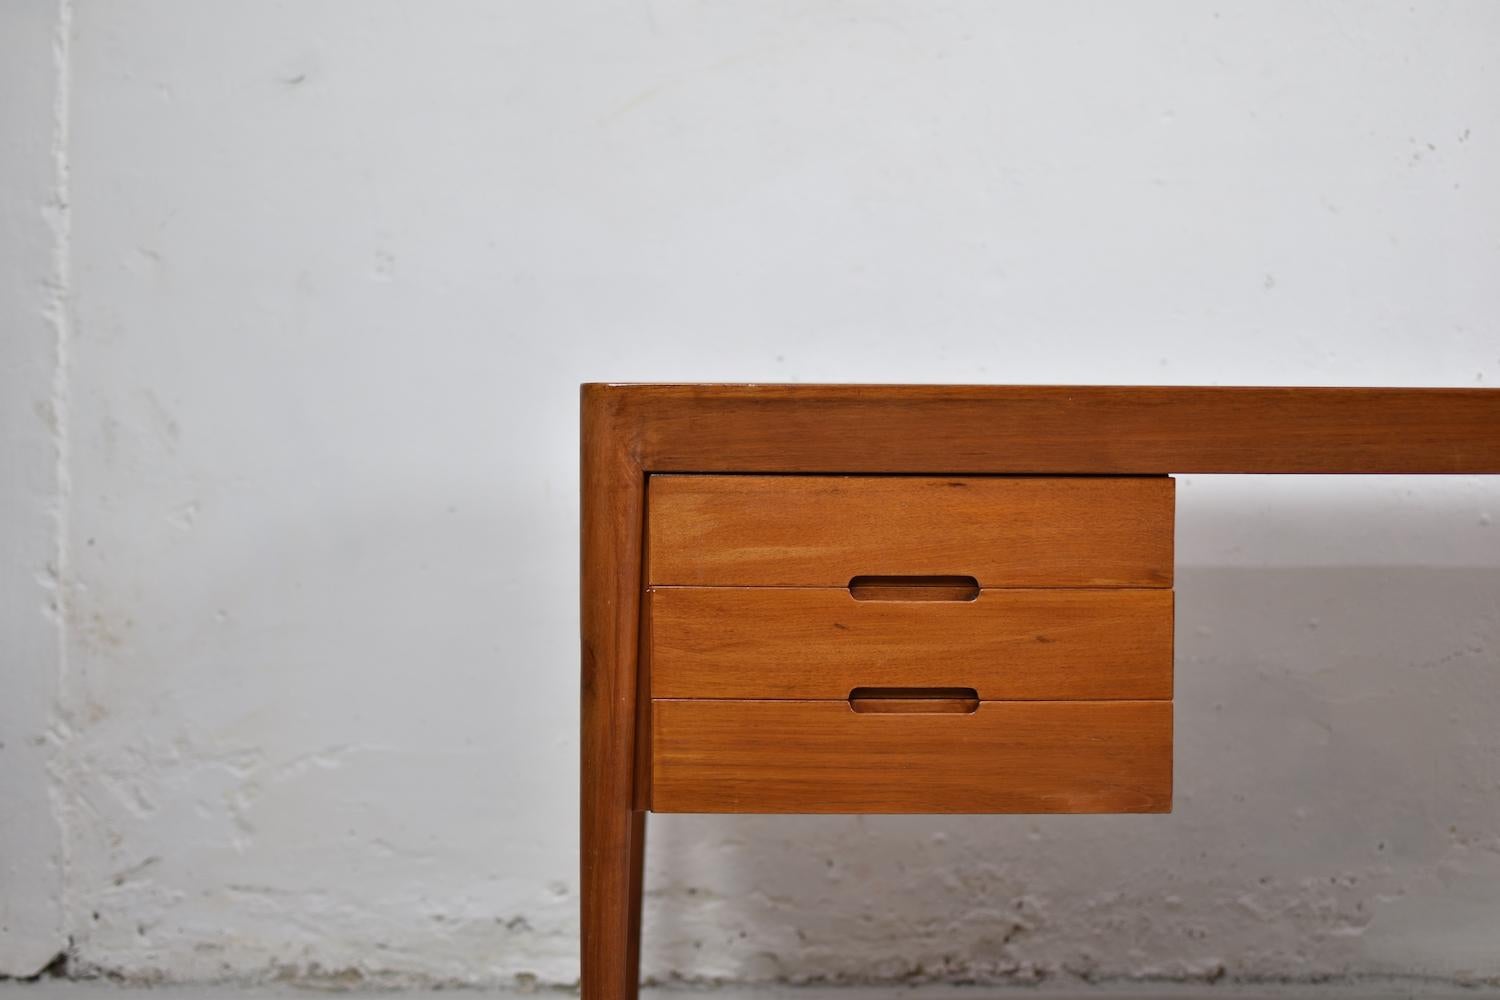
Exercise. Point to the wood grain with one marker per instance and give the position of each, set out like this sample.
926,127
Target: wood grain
1113,430
823,757
764,642
612,831
823,531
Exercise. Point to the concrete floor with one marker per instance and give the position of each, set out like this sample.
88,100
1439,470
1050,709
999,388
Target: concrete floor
54,989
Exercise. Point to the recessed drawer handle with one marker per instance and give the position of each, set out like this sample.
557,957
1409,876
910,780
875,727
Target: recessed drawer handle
914,588
962,701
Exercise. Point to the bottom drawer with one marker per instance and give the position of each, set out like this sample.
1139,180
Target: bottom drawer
824,757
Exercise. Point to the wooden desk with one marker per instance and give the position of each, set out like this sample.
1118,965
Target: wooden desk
898,539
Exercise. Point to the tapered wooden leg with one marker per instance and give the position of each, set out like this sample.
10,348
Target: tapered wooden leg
613,829
611,894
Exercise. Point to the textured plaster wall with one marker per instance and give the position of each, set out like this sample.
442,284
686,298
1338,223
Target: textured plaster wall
315,318
33,335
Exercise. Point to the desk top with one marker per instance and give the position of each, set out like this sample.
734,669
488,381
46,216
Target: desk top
1085,430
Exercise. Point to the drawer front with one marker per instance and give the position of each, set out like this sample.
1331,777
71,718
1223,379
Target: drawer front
822,531
767,643
824,757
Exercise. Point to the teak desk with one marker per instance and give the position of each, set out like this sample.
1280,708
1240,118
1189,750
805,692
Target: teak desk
804,598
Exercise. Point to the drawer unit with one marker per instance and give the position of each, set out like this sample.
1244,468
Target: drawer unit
908,643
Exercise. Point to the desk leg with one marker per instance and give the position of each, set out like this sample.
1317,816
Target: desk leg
611,895
612,838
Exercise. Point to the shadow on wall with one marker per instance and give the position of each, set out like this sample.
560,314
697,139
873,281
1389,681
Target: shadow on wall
1337,771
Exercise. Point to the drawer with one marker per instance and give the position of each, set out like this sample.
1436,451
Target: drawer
822,531
825,757
768,643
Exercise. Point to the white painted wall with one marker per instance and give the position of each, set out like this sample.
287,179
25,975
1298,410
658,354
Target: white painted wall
33,225
337,269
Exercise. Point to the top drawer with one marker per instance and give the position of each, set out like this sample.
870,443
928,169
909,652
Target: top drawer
822,531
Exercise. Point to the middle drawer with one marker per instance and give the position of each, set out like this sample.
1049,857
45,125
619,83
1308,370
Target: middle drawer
1008,645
